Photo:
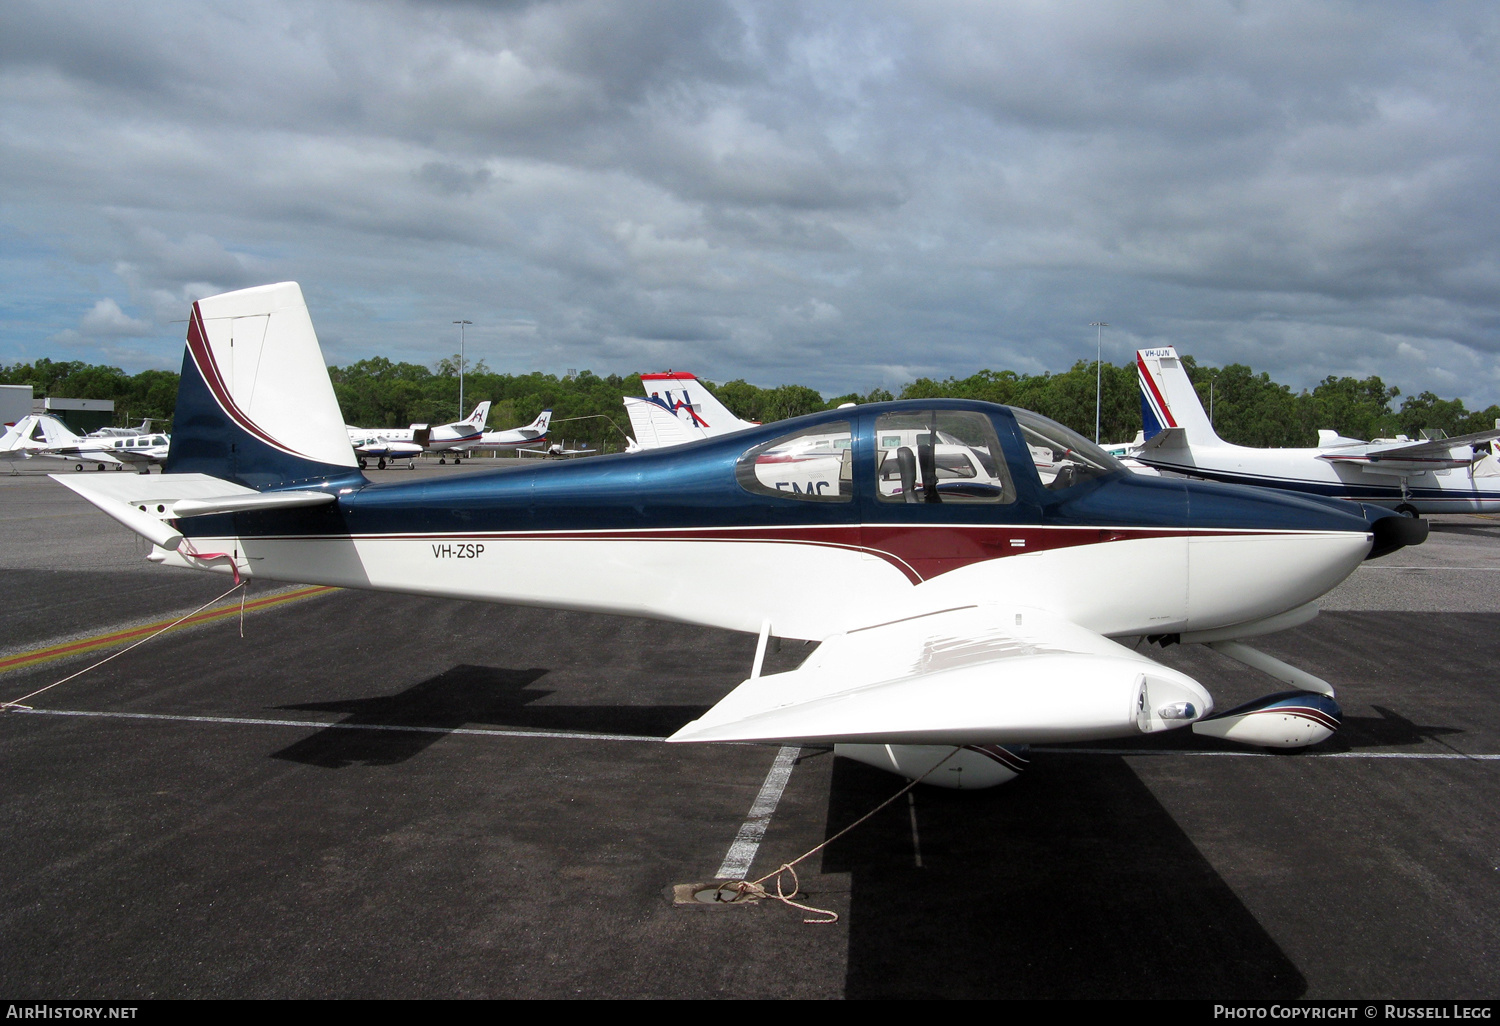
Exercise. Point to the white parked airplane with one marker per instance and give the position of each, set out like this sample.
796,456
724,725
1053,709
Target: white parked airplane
1423,476
516,438
145,428
980,617
557,451
142,451
676,410
44,436
386,445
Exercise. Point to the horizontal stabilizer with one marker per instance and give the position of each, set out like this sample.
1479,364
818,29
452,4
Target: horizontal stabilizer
972,676
1166,438
142,503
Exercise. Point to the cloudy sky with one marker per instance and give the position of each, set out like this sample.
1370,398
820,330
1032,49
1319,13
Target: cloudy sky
843,195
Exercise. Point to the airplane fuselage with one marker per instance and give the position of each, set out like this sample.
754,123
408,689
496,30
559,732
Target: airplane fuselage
676,535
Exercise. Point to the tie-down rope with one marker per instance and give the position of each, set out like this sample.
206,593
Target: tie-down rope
16,703
755,889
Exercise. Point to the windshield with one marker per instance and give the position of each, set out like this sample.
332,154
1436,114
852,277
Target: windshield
1062,456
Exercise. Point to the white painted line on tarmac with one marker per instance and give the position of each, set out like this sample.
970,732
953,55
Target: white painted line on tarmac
747,842
1269,755
321,725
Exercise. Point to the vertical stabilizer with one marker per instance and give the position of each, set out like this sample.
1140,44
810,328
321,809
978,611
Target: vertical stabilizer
255,405
686,398
655,428
37,431
479,416
1168,398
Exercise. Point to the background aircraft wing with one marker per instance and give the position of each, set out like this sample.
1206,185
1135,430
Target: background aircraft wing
976,675
78,452
1418,450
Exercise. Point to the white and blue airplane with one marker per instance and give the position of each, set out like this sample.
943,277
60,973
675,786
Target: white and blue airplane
388,445
43,436
1441,475
959,618
516,438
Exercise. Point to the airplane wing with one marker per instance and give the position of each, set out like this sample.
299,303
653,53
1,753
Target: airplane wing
974,675
1437,447
78,452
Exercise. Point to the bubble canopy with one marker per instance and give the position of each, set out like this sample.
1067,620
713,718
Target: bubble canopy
1063,457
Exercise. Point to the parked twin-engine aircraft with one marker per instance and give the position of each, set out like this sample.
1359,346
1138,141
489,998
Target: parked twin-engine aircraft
516,438
968,612
145,428
677,410
44,436
1443,475
386,445
142,451
557,451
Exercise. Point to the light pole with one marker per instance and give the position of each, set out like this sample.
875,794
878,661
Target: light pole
1098,327
461,367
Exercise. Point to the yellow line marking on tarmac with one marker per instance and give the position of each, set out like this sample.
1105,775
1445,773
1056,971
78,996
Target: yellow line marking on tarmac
113,638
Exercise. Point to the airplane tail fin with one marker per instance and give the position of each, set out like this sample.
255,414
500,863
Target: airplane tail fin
255,405
684,396
1168,399
543,422
38,429
479,416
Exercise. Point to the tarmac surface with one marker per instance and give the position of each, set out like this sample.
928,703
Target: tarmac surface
375,795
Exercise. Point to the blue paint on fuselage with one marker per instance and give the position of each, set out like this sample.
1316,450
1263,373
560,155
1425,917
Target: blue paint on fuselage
694,486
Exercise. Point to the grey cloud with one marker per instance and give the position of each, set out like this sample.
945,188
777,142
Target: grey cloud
449,179
1298,186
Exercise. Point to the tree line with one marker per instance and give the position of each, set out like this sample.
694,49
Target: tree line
1248,407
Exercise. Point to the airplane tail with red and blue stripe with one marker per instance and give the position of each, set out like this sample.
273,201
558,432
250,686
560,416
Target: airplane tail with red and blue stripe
1168,399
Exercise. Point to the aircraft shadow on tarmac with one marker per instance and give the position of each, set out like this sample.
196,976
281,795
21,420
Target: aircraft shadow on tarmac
1389,729
464,696
1070,882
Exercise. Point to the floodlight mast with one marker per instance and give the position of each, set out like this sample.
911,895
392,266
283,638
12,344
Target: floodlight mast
461,367
1098,327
